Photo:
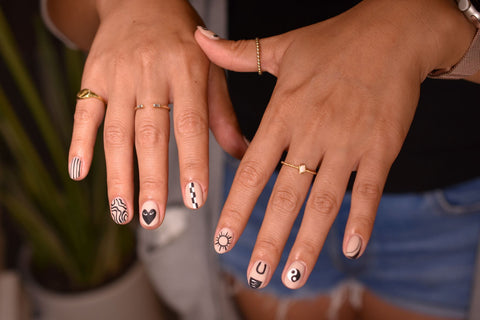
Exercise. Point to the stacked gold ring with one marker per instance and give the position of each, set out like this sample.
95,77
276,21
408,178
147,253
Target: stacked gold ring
302,168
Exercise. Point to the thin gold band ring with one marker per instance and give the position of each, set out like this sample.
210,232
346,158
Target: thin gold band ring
302,168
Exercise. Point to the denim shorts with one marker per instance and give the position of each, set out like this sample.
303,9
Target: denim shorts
421,255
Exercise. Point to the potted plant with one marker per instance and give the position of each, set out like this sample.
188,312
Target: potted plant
73,244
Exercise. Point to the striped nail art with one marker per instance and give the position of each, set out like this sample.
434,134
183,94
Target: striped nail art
75,167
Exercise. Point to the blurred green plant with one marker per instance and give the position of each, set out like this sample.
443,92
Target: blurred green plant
66,224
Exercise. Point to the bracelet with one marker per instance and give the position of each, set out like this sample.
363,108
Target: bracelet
467,66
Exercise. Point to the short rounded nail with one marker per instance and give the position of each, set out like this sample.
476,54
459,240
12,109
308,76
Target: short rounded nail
209,34
294,276
119,211
223,240
354,247
150,214
258,276
75,167
193,195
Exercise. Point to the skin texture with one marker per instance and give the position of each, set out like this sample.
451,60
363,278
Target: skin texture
143,52
346,92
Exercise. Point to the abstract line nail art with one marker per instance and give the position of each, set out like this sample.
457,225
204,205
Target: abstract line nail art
258,275
75,167
223,240
354,247
118,210
193,195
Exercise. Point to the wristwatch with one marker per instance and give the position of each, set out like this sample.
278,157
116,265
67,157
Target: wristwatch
470,10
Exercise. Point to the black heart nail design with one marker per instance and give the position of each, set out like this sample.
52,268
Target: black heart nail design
148,216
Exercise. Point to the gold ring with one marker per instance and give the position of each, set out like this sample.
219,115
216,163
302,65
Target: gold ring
87,94
161,106
302,168
259,65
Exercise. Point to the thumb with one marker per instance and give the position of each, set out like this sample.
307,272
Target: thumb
241,55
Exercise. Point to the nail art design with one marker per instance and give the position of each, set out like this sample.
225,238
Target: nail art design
149,212
118,210
193,195
223,240
354,247
209,34
258,275
294,275
75,167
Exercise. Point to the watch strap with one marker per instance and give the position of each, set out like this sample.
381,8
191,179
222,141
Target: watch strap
467,66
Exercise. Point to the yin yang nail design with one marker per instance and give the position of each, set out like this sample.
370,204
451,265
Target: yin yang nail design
223,240
294,274
75,168
258,275
149,213
118,210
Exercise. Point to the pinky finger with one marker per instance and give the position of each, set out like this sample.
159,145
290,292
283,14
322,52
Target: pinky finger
89,114
366,195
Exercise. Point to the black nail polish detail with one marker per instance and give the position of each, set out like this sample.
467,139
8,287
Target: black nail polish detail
254,283
75,167
148,216
193,195
294,275
119,211
223,241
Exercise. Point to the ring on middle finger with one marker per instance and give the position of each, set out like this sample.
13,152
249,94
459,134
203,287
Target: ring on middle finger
302,168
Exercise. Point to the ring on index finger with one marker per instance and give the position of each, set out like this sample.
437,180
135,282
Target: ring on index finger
87,94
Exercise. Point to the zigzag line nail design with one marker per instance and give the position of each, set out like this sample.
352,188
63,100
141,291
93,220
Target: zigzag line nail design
193,195
75,167
119,211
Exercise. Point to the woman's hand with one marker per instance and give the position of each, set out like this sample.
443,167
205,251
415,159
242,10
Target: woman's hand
345,97
144,53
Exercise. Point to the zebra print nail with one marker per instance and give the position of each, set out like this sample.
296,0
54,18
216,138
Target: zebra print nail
118,210
75,167
193,195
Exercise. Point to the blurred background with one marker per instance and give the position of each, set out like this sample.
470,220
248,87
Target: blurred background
57,241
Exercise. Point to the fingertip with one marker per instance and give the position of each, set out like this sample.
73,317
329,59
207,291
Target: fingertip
353,246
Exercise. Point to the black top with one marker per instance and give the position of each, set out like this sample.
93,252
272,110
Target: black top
443,145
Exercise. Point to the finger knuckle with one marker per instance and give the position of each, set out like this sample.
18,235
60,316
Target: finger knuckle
83,116
115,135
367,191
151,183
268,246
250,174
323,203
285,200
190,125
309,248
147,135
193,164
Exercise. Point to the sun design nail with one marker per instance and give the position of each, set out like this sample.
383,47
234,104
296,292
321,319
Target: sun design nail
193,195
258,275
149,212
74,170
223,240
118,210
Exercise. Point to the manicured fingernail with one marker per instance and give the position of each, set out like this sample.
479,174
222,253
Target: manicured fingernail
118,210
223,240
209,34
294,275
258,275
193,195
354,247
150,213
75,168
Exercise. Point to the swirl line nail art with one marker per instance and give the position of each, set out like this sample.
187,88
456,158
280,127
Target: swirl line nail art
119,211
